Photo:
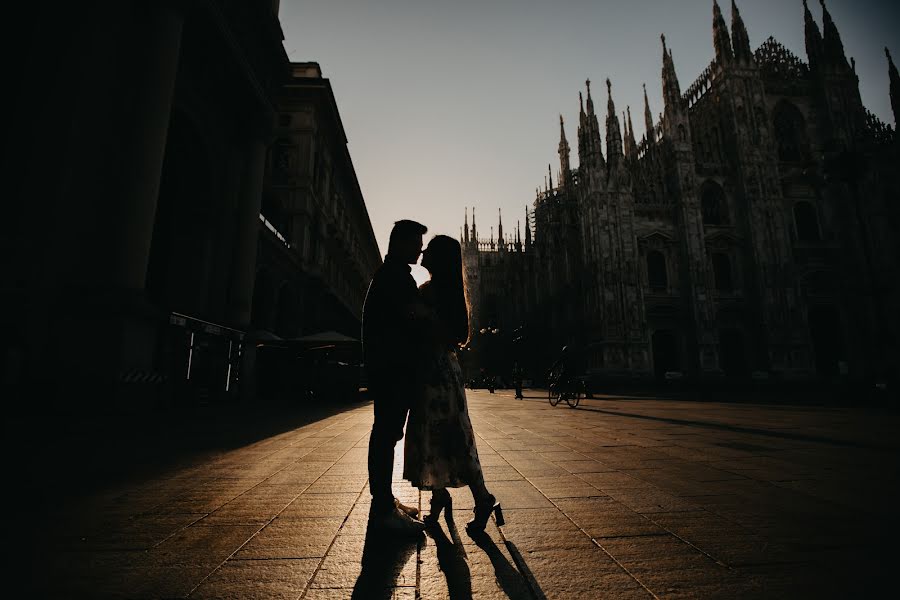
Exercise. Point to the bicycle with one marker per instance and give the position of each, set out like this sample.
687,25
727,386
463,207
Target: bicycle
572,390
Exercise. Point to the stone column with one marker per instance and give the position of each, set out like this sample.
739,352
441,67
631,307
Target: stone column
155,48
243,269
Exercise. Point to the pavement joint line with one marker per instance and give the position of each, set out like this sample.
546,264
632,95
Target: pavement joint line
267,523
307,587
161,504
670,532
749,430
605,551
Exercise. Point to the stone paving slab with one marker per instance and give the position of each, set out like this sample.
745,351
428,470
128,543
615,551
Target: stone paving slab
620,498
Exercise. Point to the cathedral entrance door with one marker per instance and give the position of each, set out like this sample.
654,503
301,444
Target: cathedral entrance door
665,353
827,341
732,356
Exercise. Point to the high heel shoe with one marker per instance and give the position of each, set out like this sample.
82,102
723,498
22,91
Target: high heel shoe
483,512
440,499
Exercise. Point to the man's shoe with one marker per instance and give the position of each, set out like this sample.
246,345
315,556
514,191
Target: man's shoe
396,522
410,510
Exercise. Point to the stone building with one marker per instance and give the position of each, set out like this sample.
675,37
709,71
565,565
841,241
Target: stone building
752,231
317,247
134,178
315,277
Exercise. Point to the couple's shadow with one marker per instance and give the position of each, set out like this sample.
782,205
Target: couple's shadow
384,559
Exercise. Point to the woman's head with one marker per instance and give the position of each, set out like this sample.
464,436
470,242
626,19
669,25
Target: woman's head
443,258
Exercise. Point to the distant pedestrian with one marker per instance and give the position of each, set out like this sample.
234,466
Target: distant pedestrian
517,381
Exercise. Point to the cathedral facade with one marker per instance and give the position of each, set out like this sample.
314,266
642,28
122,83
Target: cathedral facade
751,232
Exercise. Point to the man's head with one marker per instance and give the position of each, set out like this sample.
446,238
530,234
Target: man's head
406,241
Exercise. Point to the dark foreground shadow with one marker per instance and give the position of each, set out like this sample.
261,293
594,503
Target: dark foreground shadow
516,584
383,559
90,452
452,561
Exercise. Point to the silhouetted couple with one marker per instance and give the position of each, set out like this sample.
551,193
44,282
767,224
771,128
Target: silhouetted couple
410,338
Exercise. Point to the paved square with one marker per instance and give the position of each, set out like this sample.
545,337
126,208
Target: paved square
620,498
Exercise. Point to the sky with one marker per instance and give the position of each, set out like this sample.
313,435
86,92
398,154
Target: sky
449,105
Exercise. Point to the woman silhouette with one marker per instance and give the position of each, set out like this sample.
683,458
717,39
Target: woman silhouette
440,447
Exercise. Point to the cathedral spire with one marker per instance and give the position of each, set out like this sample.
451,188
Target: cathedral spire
590,101
550,175
466,227
648,118
590,155
739,38
630,143
474,233
613,132
833,47
671,87
721,39
527,229
582,128
895,87
499,226
813,39
563,153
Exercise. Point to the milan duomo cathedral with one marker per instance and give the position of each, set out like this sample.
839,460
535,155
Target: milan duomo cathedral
752,232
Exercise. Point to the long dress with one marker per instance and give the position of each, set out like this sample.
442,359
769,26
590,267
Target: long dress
439,449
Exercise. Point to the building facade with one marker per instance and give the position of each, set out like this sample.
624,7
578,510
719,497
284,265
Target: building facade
136,172
752,231
315,277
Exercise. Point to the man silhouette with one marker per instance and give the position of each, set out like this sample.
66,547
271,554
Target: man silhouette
390,349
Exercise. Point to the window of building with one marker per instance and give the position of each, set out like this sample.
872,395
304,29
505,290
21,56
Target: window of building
721,265
657,277
806,222
790,133
712,203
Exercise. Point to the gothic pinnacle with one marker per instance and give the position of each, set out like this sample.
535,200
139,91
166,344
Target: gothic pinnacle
813,39
590,101
721,39
833,46
740,41
894,87
648,117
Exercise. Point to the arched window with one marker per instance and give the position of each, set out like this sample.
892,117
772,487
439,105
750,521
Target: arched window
806,222
722,272
682,134
656,271
712,204
790,133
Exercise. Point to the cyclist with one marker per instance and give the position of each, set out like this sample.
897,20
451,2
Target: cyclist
562,368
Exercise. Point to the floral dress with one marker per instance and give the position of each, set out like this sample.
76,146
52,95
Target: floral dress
439,449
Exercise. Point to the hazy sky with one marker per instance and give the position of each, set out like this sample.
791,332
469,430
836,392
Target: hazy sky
452,104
